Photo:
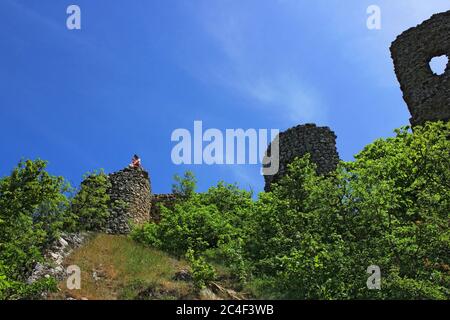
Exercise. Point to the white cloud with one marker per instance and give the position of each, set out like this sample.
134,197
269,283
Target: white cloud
292,99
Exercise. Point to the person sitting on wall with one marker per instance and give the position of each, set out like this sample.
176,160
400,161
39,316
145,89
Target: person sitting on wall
135,162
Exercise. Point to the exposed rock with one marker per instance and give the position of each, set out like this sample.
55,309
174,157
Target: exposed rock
63,242
95,276
224,292
98,275
54,257
183,275
207,294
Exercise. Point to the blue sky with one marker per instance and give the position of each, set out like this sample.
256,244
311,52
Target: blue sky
91,98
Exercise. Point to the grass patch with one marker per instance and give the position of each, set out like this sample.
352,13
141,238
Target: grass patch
116,267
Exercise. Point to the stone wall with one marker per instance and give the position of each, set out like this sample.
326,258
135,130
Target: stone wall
426,94
132,187
132,200
167,199
319,142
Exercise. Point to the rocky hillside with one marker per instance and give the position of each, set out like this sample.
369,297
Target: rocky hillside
115,267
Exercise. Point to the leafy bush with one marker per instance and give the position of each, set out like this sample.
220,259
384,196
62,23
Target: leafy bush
293,240
207,224
400,190
33,210
91,203
199,222
188,225
202,272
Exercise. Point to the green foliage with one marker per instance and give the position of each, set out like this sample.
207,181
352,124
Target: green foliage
91,203
400,188
13,290
185,186
200,222
292,239
188,225
313,237
33,210
202,272
34,291
207,224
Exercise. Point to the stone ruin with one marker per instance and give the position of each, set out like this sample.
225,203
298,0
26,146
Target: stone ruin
131,187
132,201
426,94
319,142
165,199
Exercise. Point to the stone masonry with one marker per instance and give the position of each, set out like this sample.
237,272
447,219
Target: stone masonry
426,94
166,199
130,187
319,142
132,201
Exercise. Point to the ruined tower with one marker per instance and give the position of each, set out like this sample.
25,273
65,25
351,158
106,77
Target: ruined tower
131,199
426,94
319,142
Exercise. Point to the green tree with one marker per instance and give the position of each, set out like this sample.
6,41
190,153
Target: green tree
91,205
400,188
202,272
33,210
314,237
185,186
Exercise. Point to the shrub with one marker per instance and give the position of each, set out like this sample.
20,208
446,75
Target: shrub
187,225
33,210
199,221
91,204
202,272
